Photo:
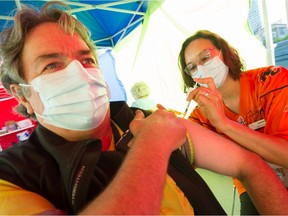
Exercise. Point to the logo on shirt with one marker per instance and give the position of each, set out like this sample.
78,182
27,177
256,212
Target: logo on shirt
271,72
241,120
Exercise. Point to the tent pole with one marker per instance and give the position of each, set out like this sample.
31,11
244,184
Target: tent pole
286,10
268,35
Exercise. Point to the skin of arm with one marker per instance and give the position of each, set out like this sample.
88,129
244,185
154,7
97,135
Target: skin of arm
272,148
221,155
138,186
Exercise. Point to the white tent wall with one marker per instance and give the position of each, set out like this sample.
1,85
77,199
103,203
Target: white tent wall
150,53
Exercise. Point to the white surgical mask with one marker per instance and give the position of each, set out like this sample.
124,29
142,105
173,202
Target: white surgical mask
75,98
215,69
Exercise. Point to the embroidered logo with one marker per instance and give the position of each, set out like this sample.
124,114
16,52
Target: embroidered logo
241,120
74,190
271,72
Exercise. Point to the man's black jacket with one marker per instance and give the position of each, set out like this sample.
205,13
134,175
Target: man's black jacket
70,174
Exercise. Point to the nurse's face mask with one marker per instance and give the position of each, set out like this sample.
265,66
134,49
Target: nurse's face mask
208,66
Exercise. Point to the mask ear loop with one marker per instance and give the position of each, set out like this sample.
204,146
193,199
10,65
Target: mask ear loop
24,85
29,85
38,115
220,53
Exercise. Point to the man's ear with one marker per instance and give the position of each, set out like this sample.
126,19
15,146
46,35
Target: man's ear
21,98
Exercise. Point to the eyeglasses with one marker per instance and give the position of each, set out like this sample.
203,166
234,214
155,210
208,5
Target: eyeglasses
203,58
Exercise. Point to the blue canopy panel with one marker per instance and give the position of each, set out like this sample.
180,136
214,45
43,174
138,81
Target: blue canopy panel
9,8
109,21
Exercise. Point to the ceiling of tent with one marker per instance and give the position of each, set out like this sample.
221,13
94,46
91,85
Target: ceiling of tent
108,20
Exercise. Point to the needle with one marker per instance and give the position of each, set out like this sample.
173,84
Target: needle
188,105
186,110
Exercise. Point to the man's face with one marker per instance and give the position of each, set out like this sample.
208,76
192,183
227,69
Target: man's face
49,49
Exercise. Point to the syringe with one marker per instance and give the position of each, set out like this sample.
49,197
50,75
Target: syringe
188,105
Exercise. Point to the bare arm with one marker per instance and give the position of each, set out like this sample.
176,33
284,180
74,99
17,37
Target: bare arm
221,155
272,148
138,186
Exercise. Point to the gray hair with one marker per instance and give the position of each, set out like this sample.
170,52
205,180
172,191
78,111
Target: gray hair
13,39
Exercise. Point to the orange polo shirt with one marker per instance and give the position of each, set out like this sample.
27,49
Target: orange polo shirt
263,98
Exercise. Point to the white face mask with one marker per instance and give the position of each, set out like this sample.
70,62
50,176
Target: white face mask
75,98
215,69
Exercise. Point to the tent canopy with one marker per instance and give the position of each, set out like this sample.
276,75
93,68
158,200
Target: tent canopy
108,21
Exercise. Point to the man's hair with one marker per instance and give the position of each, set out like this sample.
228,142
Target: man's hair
140,90
230,56
12,40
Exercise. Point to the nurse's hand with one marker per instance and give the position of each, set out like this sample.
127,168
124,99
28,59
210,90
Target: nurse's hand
209,100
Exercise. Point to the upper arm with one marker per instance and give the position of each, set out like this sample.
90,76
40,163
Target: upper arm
215,152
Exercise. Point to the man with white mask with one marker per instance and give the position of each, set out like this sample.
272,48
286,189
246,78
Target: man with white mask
250,107
50,66
78,93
